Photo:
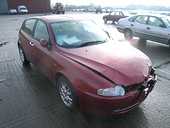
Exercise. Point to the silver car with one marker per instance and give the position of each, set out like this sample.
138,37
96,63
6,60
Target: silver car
146,27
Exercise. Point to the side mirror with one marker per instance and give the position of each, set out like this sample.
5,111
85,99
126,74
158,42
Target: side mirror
162,26
44,43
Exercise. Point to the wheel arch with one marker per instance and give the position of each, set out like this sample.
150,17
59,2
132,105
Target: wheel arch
75,93
128,29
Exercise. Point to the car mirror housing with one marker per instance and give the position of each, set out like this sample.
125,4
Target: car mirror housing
43,42
162,26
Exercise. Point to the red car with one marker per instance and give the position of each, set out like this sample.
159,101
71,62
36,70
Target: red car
90,70
114,16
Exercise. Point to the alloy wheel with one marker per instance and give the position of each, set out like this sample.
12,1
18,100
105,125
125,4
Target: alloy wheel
65,94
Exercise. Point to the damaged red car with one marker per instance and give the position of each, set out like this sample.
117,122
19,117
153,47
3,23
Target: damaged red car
90,70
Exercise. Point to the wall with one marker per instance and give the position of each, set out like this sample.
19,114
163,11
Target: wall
34,6
3,6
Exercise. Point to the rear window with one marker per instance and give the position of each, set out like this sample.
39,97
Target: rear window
28,26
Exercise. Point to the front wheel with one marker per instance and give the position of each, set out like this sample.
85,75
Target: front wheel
142,42
66,93
128,34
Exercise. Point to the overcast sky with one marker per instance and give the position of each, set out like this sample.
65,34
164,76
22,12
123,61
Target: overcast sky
114,2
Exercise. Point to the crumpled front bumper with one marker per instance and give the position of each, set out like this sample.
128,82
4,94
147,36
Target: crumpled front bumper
117,105
144,91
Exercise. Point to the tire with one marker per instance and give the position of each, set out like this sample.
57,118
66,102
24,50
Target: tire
142,42
105,20
66,93
23,58
113,22
128,34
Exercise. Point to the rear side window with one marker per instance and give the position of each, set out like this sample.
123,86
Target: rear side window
28,26
142,19
41,31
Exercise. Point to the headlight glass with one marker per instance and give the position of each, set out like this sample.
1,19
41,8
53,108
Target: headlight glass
113,91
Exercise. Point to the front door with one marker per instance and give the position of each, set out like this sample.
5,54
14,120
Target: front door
157,30
139,25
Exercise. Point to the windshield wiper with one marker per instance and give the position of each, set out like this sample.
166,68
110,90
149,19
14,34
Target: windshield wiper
91,43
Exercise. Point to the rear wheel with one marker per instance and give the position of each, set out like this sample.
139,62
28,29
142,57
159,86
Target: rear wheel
66,93
23,58
169,43
105,20
113,22
128,34
142,42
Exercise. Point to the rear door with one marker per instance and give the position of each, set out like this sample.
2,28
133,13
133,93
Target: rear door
26,37
43,55
157,30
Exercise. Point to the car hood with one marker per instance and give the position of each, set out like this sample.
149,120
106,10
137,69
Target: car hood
119,62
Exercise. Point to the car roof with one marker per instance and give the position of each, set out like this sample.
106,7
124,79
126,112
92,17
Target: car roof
156,15
57,18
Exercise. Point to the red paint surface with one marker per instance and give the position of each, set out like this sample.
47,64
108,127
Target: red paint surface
117,61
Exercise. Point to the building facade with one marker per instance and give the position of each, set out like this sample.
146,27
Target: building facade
3,6
34,6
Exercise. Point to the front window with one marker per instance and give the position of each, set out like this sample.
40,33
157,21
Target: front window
142,19
132,19
22,8
73,34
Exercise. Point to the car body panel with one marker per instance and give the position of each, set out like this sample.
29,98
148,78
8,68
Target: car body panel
22,9
114,16
102,60
91,68
146,31
12,11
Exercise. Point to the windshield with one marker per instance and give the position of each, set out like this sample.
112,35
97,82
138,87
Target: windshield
72,34
22,8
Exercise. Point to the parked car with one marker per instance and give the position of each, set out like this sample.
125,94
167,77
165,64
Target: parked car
99,10
22,9
58,8
89,69
146,27
114,16
12,11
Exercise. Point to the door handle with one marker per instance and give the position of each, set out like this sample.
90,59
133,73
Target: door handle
132,25
31,43
148,28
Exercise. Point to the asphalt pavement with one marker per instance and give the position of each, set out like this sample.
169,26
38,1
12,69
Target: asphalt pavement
28,100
